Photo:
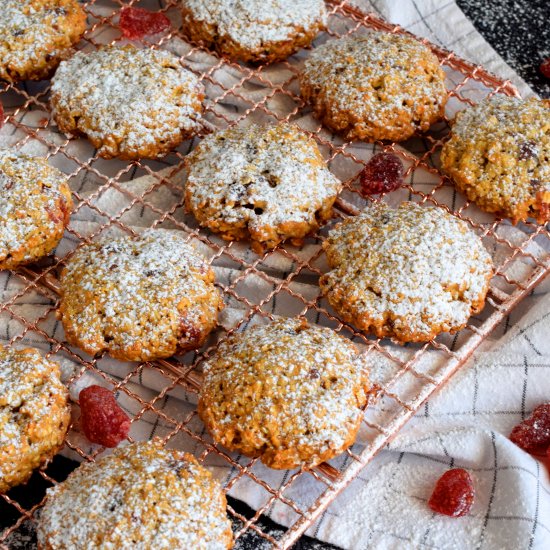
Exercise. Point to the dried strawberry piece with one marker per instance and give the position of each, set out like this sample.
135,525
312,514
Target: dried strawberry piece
545,67
136,22
102,419
453,494
533,434
383,173
1,115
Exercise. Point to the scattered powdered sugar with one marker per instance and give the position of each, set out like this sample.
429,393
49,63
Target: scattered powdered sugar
32,32
31,192
282,387
382,81
33,413
258,179
395,499
141,496
147,296
411,270
129,101
499,152
255,23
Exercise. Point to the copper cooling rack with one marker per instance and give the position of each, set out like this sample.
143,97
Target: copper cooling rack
256,283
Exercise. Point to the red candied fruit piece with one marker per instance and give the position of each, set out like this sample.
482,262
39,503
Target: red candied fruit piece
1,115
545,67
137,22
102,419
533,434
383,173
453,494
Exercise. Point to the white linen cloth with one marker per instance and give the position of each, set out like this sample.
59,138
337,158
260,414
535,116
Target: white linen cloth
465,425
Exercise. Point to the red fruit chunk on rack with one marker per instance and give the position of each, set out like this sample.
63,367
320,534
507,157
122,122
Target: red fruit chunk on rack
383,173
136,23
102,419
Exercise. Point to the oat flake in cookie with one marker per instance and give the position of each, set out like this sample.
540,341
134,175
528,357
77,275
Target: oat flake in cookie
290,393
409,273
130,103
380,86
138,298
265,183
142,497
35,35
499,157
34,414
254,30
35,206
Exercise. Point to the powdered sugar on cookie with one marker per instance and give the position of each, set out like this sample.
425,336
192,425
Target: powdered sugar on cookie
36,34
34,209
139,298
499,156
410,273
266,183
141,496
252,25
130,102
377,86
34,414
289,392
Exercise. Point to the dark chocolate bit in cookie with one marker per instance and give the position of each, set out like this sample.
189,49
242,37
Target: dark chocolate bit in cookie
528,150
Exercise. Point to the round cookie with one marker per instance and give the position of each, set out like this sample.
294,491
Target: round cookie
141,496
138,298
498,155
130,103
409,273
291,393
34,414
34,210
254,30
264,183
380,86
35,35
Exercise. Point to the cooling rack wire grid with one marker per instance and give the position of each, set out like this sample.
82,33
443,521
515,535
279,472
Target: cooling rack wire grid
112,196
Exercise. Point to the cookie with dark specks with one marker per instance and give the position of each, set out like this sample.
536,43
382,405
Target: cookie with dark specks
35,35
35,208
498,155
140,298
409,273
131,103
254,30
34,414
290,393
141,496
266,183
380,86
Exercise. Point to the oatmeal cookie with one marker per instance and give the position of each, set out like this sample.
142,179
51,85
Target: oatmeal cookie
498,155
34,414
374,87
263,183
409,273
289,392
254,30
141,496
35,35
138,298
34,209
130,103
